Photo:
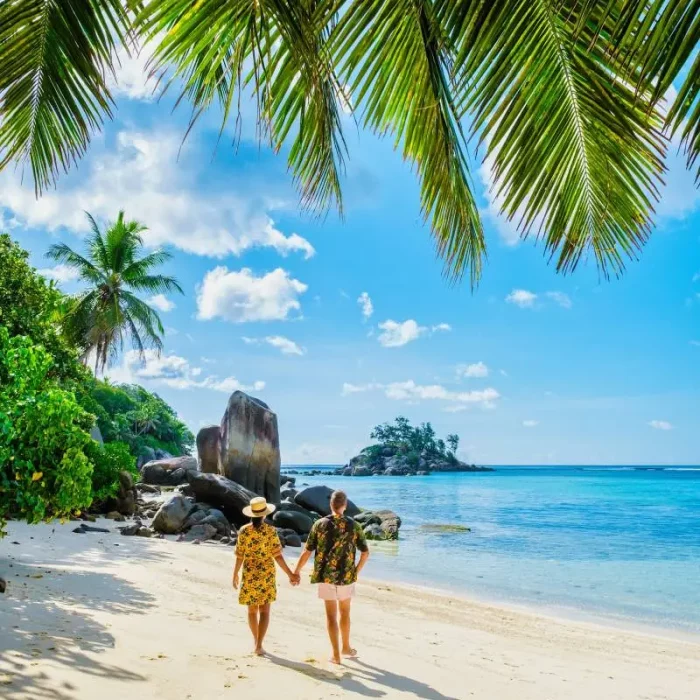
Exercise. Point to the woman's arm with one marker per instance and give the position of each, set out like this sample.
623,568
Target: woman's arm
237,571
281,562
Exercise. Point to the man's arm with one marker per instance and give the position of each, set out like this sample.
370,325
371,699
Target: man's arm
364,556
302,561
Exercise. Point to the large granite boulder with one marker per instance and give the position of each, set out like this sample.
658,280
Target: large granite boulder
172,515
209,449
289,519
318,500
171,471
125,500
222,493
390,523
250,447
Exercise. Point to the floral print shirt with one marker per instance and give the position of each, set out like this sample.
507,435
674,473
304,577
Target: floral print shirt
335,539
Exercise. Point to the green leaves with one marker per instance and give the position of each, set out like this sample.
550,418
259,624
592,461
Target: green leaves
99,319
565,95
54,59
577,154
396,58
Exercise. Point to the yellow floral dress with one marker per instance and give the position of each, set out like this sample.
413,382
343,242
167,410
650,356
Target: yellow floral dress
258,548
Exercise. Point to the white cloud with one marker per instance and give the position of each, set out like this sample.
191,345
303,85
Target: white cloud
284,345
695,342
560,298
60,273
241,296
396,334
410,391
366,305
161,302
660,425
173,371
522,298
477,369
176,200
132,77
441,327
530,423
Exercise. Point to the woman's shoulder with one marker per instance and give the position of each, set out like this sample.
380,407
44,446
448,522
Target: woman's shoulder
244,529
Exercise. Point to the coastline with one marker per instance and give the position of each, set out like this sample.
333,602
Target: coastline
103,614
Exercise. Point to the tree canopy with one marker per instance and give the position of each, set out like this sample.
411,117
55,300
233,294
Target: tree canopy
571,102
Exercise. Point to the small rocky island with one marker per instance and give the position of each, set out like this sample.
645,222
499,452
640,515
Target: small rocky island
200,499
404,450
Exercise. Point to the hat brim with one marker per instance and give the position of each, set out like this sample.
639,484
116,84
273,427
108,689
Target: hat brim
248,512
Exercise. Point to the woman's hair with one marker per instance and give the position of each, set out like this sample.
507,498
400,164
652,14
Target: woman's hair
257,522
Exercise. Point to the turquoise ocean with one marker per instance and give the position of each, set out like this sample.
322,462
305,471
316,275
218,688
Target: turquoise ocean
615,543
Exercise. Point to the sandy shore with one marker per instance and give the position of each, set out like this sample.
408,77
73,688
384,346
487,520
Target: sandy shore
107,617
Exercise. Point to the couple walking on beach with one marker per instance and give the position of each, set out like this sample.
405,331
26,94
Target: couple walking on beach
334,541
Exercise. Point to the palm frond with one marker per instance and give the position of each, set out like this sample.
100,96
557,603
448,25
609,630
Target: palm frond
577,153
145,318
397,60
89,272
154,284
142,266
278,46
55,57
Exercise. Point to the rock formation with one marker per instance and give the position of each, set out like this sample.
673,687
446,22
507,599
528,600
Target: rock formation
250,448
209,449
168,472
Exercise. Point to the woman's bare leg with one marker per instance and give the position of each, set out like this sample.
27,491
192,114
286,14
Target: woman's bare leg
263,624
253,623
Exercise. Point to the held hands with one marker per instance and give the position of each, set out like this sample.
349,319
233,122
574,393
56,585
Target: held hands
294,578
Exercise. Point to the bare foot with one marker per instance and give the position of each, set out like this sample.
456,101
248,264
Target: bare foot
336,661
352,653
260,652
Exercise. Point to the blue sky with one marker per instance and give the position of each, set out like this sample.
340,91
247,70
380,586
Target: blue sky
343,325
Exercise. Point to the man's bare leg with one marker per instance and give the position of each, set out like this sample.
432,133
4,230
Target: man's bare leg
333,633
263,624
253,622
344,606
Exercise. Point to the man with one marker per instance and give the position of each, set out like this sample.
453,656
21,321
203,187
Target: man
336,539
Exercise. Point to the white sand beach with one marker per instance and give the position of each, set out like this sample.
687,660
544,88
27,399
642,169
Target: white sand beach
104,616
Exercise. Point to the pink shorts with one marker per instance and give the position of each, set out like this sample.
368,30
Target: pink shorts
327,591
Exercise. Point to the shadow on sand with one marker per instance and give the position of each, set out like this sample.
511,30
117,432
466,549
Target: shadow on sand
352,678
36,625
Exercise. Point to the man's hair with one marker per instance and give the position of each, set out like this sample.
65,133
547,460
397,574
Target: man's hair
338,499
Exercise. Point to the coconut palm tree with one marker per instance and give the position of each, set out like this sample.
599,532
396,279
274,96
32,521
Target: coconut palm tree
99,318
565,99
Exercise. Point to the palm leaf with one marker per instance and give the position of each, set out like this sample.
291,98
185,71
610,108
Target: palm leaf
60,252
53,93
278,47
577,153
397,60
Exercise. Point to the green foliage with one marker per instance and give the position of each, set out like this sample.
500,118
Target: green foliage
30,306
414,443
565,99
133,415
98,319
108,460
44,471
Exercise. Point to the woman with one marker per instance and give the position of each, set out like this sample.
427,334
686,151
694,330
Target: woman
257,551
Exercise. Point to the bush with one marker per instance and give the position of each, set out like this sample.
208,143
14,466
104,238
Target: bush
44,471
108,461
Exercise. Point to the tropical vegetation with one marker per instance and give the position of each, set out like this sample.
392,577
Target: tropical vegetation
99,318
412,442
50,466
572,103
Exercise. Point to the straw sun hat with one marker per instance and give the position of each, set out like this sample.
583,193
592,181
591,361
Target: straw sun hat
258,508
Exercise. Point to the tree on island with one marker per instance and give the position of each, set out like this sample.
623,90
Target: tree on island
415,443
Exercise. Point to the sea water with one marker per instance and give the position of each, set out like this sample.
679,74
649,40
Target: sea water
620,543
